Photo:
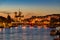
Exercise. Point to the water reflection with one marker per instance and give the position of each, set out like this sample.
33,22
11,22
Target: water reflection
7,34
1,34
25,33
0,29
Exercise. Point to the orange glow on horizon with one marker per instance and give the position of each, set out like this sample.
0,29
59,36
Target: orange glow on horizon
28,11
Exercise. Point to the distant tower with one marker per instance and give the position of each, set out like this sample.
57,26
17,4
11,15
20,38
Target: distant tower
15,14
20,13
20,16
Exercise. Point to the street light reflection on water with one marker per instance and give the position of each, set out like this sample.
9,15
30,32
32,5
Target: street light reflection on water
0,29
23,27
25,33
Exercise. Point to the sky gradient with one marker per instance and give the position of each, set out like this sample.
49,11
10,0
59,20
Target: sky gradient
31,7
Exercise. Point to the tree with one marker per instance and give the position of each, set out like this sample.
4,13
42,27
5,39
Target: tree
53,22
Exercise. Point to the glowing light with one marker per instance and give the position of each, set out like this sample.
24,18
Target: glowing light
16,27
23,27
45,27
3,29
11,28
39,27
31,27
0,29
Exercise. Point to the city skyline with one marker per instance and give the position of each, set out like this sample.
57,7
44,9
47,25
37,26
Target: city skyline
31,7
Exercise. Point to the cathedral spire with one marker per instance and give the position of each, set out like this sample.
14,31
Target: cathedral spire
20,12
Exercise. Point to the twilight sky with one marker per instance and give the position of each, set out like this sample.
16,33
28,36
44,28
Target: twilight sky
31,7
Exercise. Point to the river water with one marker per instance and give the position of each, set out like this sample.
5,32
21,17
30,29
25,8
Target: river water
25,33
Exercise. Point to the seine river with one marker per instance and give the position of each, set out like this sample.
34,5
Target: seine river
25,33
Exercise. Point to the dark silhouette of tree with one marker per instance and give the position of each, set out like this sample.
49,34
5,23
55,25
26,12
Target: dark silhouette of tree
53,22
3,19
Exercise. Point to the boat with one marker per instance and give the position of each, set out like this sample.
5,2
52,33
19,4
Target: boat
53,32
57,39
